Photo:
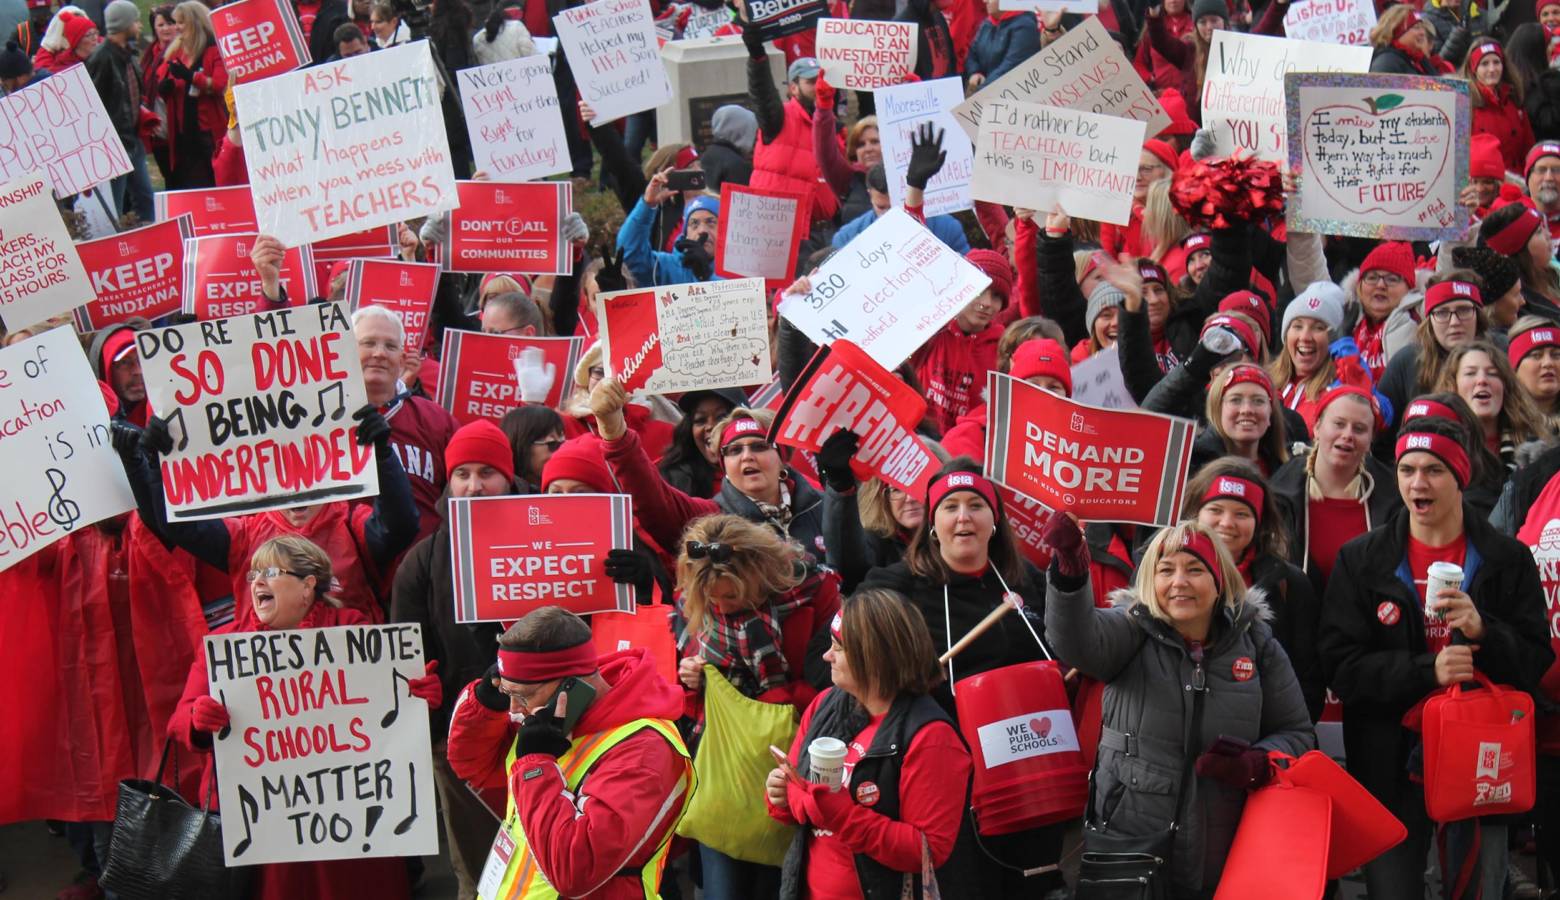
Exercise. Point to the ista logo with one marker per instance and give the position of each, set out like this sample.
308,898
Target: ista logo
961,480
1234,488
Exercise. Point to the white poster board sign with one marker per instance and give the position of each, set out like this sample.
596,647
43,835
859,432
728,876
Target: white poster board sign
58,125
1041,156
687,337
342,147
1243,93
1331,21
866,54
901,109
614,56
327,755
40,269
513,118
889,290
1097,381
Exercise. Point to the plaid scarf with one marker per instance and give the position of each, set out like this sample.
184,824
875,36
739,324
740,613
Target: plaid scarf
745,646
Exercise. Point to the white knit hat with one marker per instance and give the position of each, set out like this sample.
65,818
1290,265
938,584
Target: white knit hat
1322,301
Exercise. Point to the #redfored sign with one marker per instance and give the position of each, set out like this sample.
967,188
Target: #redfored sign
760,232
843,388
220,281
477,371
1103,465
259,38
137,273
226,210
514,554
509,228
404,288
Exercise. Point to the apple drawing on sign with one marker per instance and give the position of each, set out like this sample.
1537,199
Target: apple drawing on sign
1347,145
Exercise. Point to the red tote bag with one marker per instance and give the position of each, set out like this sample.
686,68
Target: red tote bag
1281,847
648,627
1479,752
1362,829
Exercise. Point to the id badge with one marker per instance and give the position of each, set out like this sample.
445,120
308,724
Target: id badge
497,863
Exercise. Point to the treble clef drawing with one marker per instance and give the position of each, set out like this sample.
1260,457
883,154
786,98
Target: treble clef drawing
64,511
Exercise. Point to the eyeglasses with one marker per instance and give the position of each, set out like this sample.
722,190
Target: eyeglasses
732,451
551,445
1380,278
1462,312
270,573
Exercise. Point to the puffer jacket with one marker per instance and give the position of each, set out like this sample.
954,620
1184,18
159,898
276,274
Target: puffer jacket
1001,44
783,157
1149,674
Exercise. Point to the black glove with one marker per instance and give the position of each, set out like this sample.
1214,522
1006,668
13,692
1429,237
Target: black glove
372,429
155,437
698,259
610,276
125,438
541,734
630,567
488,694
180,70
926,156
752,40
834,460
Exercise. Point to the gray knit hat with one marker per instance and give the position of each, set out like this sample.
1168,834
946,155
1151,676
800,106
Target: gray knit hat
1104,296
1323,300
120,16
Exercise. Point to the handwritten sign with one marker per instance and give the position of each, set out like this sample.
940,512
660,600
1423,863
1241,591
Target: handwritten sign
57,125
686,337
220,281
260,411
1040,156
510,228
40,271
477,371
783,18
901,109
345,146
211,210
137,273
1104,465
1083,69
328,754
404,288
1380,156
511,555
889,290
1097,381
614,56
259,38
513,118
61,470
760,232
866,54
1331,21
1243,94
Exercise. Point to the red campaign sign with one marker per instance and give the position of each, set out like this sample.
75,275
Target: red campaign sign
760,232
509,228
259,38
1027,519
842,387
226,210
375,243
635,326
477,371
220,282
1102,465
404,288
514,554
137,273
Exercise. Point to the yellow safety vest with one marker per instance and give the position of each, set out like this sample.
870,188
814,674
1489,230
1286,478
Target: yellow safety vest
522,878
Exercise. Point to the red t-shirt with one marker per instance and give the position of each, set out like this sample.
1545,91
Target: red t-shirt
1332,523
1420,558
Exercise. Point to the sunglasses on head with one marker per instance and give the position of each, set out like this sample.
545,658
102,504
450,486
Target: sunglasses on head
715,551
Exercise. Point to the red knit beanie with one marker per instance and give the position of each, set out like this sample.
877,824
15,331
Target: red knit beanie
1164,151
480,442
1042,356
1484,158
580,459
1253,305
1539,151
997,268
76,28
1395,257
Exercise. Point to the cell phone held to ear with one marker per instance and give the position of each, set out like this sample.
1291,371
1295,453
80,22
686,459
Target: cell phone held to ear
579,696
685,180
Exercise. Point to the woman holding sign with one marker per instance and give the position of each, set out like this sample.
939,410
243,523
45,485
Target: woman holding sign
192,80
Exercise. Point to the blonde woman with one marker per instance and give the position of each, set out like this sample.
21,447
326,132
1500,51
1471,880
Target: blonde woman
192,80
1244,419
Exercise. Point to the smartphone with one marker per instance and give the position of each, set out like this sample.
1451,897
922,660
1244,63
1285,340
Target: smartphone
784,762
685,180
581,695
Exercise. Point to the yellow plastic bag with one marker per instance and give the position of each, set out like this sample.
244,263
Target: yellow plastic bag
727,812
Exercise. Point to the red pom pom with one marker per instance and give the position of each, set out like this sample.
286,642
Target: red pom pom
1219,193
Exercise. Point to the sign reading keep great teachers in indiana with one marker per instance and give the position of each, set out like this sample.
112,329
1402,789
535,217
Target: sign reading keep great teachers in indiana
40,271
1243,93
260,408
344,146
685,337
136,273
514,120
613,54
57,125
259,38
1041,156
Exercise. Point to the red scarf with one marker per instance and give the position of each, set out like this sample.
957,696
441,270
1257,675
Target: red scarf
1368,338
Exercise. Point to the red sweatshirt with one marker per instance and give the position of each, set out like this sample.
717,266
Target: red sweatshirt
952,370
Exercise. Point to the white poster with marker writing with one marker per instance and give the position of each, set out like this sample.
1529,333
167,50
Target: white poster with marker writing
1040,157
613,53
1331,21
514,120
41,274
866,54
1243,92
686,337
901,109
58,126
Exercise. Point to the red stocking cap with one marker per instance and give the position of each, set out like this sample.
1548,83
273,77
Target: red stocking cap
1515,236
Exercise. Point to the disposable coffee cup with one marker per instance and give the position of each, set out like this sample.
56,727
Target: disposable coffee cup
826,756
1439,577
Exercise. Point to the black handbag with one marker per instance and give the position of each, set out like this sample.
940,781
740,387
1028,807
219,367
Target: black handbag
1116,866
163,848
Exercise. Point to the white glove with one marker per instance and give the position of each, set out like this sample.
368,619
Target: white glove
1204,144
574,229
534,377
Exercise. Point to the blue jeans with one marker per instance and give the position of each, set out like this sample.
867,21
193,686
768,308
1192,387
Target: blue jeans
733,879
132,191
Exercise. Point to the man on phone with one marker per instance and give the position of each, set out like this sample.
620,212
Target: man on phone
596,773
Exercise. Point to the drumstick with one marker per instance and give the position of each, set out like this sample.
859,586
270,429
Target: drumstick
980,628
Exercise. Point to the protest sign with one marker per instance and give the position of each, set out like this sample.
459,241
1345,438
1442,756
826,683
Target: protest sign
220,280
1027,519
686,337
1331,21
901,109
61,469
866,54
512,555
889,290
783,18
375,243
510,228
1097,381
40,271
327,753
477,371
614,56
1243,93
58,126
137,273
513,118
1102,465
689,21
259,38
1042,156
404,288
1379,156
346,146
224,210
260,408
759,232
1083,69
843,388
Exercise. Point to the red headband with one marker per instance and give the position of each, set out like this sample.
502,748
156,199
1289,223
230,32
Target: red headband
954,482
534,667
1482,50
1528,341
1513,237
1430,408
1195,243
1439,446
1234,487
1447,291
740,428
1344,389
835,625
1155,273
1413,18
1201,546
1249,374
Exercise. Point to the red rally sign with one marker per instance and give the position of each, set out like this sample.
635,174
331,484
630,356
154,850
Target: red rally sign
1103,465
220,281
509,228
259,38
477,371
226,210
137,273
404,288
514,554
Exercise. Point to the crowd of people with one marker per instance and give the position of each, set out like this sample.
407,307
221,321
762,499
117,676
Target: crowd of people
1366,410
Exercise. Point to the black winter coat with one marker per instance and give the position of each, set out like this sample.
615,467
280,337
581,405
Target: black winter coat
1392,61
1061,301
1296,613
853,551
723,163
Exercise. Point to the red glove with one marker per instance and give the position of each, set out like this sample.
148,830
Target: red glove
209,715
827,809
1243,770
1065,539
428,687
823,95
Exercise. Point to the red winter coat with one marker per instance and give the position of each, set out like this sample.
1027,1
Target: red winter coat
968,436
1160,73
338,530
378,877
228,165
952,369
654,434
788,164
1505,118
621,812
55,61
210,84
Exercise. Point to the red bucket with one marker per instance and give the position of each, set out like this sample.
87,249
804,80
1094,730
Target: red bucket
1029,769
